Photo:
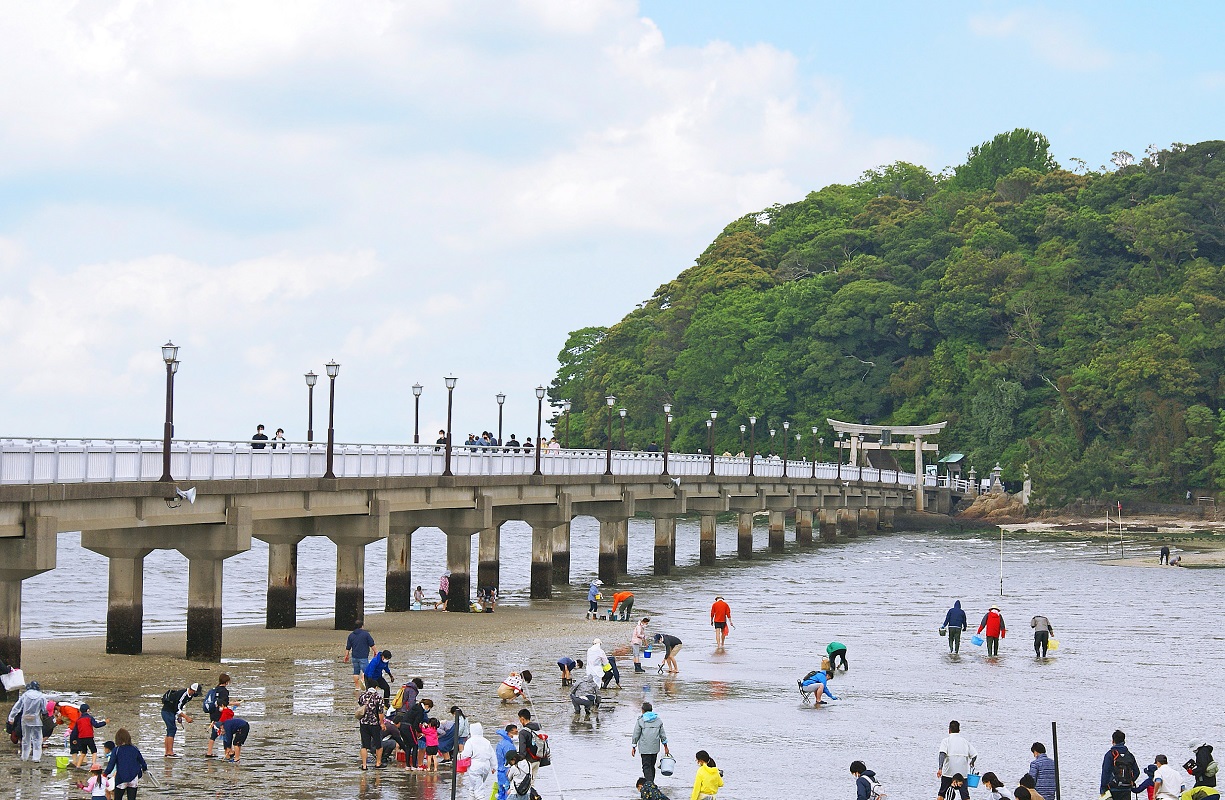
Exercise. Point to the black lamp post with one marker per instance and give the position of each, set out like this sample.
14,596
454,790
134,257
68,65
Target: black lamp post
752,443
446,466
539,423
859,457
667,433
502,399
621,411
170,354
417,413
332,369
565,407
612,401
710,426
311,380
786,428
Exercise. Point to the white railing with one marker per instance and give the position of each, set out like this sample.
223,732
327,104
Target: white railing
35,461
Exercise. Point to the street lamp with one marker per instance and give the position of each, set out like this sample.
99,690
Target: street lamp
332,369
539,423
859,457
446,465
612,401
621,411
311,380
565,407
816,451
742,427
752,443
667,433
170,354
501,398
417,413
786,428
710,425
772,432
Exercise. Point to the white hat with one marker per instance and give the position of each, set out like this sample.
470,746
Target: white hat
195,687
595,641
598,582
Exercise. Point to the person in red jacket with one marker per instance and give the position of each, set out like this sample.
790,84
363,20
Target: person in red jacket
81,738
993,622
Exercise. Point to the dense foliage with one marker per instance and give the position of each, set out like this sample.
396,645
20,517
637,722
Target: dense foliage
1071,325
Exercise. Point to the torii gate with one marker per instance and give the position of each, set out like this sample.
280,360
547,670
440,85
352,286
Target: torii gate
855,440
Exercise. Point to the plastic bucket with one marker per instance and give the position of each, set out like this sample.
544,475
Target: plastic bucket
972,780
977,640
646,653
667,765
1052,644
61,762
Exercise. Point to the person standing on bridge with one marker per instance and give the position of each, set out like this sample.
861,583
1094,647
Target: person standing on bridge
260,440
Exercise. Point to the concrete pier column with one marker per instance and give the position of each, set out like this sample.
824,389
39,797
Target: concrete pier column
744,536
706,540
869,520
204,618
488,553
351,534
623,547
20,558
848,522
282,537
778,530
887,518
665,544
459,561
561,554
608,551
125,604
399,585
542,562
803,527
828,518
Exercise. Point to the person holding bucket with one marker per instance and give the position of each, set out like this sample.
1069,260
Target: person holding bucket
993,624
956,760
954,623
648,738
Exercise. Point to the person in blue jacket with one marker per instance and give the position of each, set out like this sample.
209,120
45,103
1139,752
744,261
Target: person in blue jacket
818,679
508,742
593,599
127,764
954,623
374,673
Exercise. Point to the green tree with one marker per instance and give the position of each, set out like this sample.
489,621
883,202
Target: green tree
990,161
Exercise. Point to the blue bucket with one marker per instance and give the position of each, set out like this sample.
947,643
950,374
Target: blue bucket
646,653
977,640
972,780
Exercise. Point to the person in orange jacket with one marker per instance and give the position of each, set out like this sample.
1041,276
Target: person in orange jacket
624,601
993,622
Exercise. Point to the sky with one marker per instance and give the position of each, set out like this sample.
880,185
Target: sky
422,188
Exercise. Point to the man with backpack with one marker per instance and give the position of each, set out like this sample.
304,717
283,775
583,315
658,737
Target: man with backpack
215,701
174,704
1119,769
534,747
866,787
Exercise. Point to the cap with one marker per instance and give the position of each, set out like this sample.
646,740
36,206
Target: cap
598,582
33,685
84,707
195,687
595,641
96,768
109,743
1196,744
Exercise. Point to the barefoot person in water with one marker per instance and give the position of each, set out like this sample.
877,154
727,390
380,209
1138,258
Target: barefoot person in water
720,618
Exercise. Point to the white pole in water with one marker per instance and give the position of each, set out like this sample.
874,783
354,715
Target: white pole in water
1001,561
1120,520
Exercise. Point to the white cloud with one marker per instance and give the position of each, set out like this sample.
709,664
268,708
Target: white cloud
1058,39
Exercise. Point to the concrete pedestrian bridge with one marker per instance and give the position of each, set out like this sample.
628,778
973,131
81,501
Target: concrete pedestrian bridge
111,491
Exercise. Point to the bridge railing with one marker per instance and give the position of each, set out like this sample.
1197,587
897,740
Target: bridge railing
38,461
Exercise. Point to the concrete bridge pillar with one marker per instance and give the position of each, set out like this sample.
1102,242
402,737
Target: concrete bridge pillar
488,555
665,544
706,541
869,520
803,528
126,590
778,530
282,537
459,560
561,554
608,551
848,522
399,563
206,548
623,546
828,519
351,534
21,558
887,518
744,535
542,561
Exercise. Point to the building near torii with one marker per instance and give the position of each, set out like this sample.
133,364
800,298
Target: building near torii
856,438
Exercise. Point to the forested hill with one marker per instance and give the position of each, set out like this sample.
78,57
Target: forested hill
1068,323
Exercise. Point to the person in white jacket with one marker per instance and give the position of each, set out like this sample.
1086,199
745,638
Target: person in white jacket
957,757
27,712
596,659
481,773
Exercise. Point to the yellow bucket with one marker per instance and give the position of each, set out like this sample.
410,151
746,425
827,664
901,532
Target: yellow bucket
61,762
1052,644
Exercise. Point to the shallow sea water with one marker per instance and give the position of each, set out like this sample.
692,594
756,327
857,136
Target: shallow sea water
1141,649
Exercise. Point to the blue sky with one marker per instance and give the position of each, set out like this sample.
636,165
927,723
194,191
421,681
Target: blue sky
418,188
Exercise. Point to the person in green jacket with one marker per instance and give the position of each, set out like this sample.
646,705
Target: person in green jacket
836,650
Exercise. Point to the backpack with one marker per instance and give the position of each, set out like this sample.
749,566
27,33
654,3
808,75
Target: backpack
209,703
397,699
810,675
538,747
1123,771
876,791
168,698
